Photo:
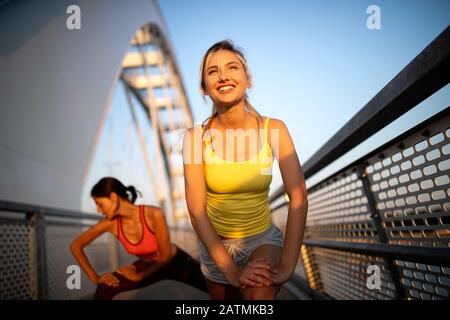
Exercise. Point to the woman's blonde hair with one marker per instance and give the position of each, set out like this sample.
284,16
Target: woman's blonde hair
218,46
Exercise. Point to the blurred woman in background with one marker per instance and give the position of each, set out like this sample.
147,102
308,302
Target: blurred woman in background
143,232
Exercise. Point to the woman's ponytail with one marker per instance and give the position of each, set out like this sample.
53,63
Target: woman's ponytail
134,193
106,185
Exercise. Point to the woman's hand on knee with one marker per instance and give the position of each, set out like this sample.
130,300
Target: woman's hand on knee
282,276
108,279
257,273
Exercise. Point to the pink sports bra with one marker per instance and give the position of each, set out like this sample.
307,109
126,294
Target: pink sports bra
148,245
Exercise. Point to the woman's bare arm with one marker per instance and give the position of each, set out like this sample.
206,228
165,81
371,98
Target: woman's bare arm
195,189
83,240
295,187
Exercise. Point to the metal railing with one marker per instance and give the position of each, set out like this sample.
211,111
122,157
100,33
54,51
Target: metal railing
390,208
35,252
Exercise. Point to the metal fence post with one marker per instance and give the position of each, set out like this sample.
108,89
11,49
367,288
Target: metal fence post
39,221
376,218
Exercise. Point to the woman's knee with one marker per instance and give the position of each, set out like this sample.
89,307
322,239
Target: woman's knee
264,293
219,291
104,292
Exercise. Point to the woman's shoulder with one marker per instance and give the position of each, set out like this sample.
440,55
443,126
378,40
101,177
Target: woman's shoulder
149,215
151,210
276,126
193,133
104,225
274,123
153,213
198,128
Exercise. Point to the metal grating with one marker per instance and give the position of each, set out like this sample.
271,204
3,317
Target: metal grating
338,211
409,184
411,187
344,275
58,240
394,200
17,260
279,218
299,270
425,282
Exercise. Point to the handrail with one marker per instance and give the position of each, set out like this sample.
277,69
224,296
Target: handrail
393,141
20,208
428,72
427,255
17,207
37,214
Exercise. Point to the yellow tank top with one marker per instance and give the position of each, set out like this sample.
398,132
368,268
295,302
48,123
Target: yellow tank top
238,192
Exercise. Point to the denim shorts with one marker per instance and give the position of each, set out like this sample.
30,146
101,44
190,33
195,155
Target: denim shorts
239,249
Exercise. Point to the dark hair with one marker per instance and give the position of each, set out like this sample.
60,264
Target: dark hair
106,185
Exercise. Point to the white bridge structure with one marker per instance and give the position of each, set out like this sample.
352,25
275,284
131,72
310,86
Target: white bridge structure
57,88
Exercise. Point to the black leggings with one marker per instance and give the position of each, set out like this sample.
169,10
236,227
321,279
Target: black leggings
181,268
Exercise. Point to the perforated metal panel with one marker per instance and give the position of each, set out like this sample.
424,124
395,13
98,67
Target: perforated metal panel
338,211
17,260
19,257
344,275
300,269
58,239
411,187
409,183
279,218
426,282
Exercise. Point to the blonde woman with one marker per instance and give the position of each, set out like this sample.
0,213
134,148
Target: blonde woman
228,171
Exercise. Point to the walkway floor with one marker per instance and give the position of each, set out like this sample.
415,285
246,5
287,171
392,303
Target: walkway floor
174,290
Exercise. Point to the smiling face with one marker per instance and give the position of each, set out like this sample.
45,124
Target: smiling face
107,206
225,78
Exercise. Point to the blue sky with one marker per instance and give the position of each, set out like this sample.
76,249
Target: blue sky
315,64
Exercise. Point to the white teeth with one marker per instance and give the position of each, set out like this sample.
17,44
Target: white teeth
225,88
